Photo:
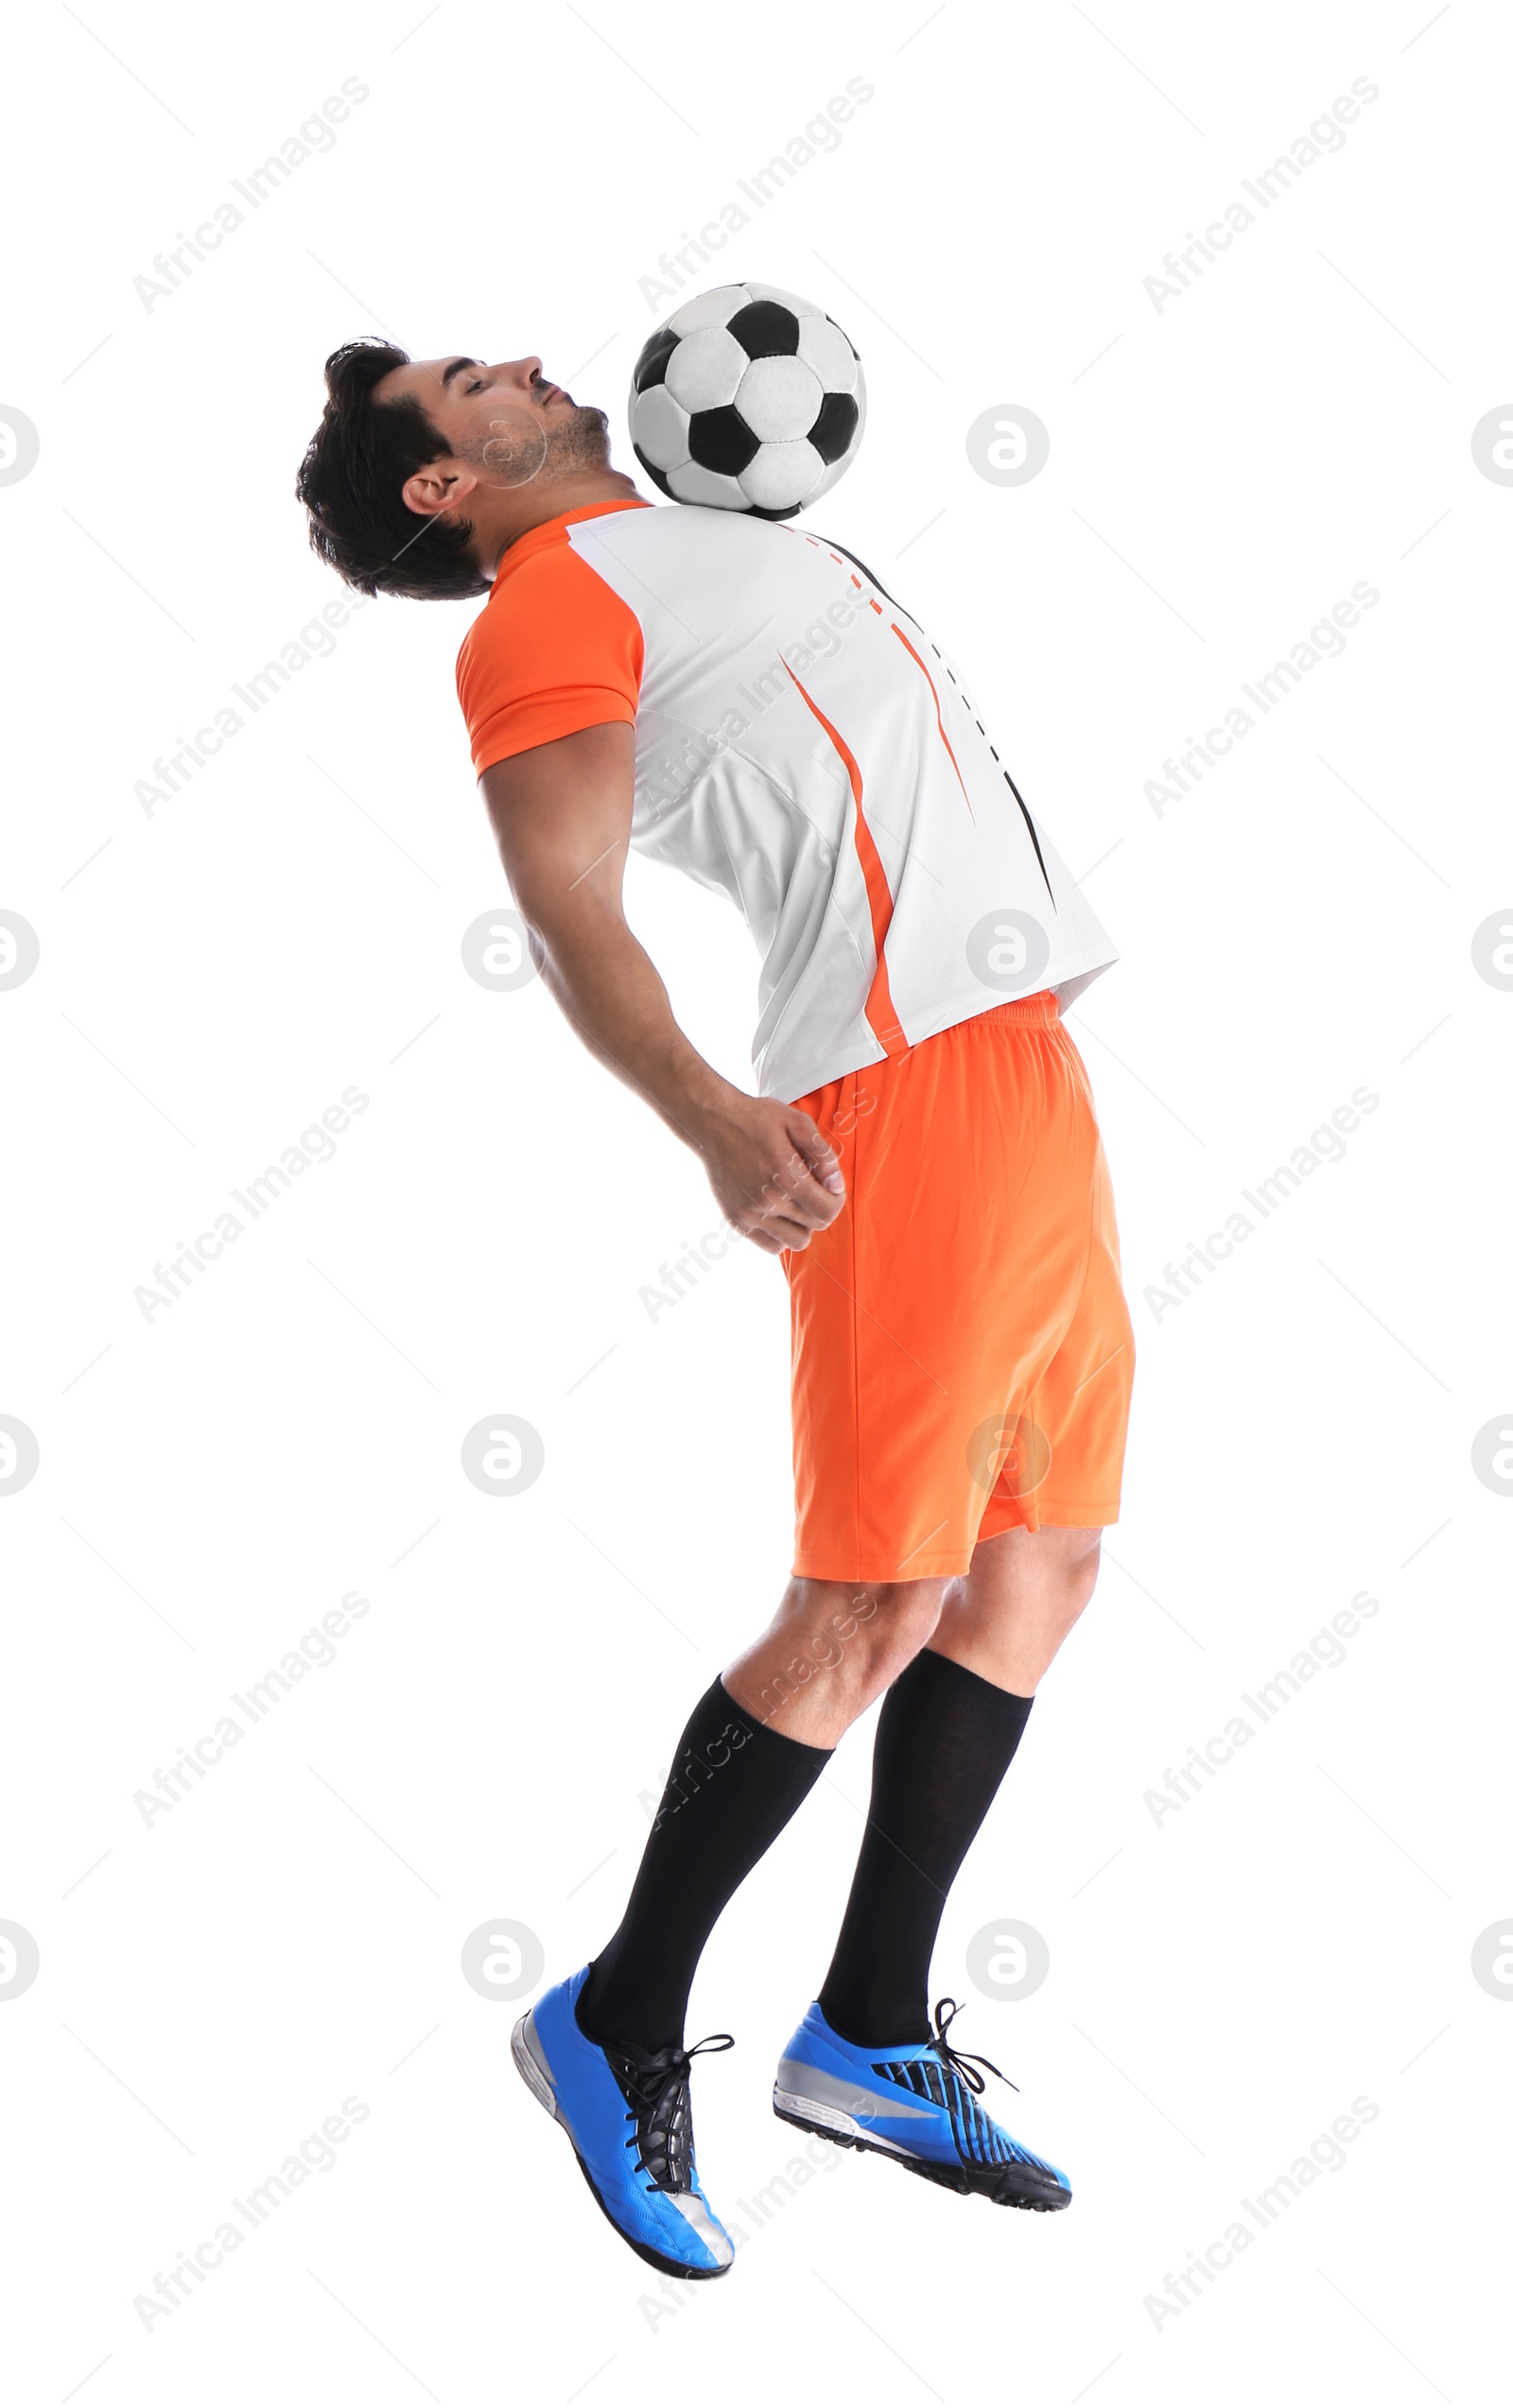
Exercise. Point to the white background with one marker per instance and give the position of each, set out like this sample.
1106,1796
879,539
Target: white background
1223,1983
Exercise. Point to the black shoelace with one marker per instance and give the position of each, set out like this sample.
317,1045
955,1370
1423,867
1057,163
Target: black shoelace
963,2067
661,2109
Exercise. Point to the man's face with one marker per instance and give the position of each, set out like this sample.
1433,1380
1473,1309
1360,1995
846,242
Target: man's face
508,422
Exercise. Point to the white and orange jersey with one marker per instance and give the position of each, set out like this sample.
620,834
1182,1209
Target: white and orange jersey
801,747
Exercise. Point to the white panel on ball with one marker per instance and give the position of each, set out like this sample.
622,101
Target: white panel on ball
695,484
831,476
705,369
779,399
781,476
714,309
823,348
660,427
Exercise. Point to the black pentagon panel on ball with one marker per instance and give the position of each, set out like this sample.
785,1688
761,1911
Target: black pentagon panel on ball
765,330
721,440
835,426
792,511
658,475
651,368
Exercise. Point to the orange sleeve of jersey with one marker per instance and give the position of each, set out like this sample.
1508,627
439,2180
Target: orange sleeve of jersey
553,651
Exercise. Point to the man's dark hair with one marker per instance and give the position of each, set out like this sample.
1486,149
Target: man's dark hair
350,482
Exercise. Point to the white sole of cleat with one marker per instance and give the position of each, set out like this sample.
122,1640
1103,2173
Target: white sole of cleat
818,2115
1000,2184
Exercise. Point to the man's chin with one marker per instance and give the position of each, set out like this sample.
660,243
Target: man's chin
583,441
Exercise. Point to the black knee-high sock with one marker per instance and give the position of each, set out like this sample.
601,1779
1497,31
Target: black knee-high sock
945,1739
733,1786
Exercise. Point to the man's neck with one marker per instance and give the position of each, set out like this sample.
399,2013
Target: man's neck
518,513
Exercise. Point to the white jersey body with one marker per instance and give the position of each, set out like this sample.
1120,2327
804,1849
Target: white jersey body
803,748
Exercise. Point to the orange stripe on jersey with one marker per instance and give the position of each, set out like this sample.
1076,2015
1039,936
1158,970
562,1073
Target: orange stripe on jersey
881,1017
939,721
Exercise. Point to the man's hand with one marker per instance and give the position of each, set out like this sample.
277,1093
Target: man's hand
774,1177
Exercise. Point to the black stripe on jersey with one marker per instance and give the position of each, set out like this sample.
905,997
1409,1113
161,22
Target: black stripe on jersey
1034,839
1008,781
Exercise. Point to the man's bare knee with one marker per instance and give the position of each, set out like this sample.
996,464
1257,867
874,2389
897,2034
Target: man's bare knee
1083,1557
907,1615
832,1647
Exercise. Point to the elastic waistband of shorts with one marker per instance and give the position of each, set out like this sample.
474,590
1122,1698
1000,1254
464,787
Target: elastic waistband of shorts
1025,1011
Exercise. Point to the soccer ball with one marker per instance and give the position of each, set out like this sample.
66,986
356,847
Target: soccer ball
747,399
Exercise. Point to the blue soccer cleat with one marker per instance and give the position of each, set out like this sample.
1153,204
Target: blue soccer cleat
915,2103
627,2113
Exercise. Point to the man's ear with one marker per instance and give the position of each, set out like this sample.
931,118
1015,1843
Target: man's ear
437,487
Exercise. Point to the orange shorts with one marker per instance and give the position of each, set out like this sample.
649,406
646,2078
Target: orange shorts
962,1348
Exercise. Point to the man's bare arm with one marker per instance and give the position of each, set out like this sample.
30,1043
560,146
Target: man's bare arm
562,814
